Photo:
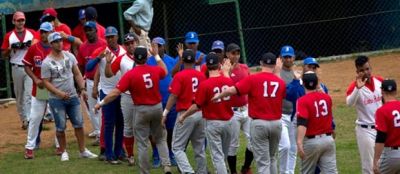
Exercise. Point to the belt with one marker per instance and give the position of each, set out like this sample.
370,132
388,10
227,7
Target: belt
240,109
367,126
319,136
393,148
20,66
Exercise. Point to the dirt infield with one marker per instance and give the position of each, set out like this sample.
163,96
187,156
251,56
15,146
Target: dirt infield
336,75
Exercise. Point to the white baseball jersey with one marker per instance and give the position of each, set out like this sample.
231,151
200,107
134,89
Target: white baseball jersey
123,64
10,38
108,84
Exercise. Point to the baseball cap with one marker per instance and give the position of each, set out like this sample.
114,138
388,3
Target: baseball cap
232,47
50,12
188,56
191,37
111,31
90,24
18,15
130,37
140,53
81,14
389,85
90,13
212,59
46,26
54,37
268,58
218,45
287,51
310,80
310,61
159,40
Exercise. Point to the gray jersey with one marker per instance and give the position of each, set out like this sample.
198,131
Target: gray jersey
59,73
288,77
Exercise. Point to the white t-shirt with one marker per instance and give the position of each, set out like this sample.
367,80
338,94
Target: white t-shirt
108,84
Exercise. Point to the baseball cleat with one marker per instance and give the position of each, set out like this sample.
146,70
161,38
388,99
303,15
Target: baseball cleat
28,154
64,156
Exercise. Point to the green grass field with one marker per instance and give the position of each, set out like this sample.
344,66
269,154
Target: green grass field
46,162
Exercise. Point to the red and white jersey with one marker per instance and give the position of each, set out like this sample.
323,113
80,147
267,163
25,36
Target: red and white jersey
366,100
108,84
143,84
316,108
123,64
265,93
239,72
12,37
184,85
220,109
388,121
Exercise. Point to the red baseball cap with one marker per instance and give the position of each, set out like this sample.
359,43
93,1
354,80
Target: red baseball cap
18,15
50,12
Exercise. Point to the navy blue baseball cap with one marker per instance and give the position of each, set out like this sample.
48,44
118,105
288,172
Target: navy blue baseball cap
310,61
310,80
159,40
389,85
269,58
218,45
140,53
90,13
82,14
212,59
191,37
287,51
90,24
188,56
111,31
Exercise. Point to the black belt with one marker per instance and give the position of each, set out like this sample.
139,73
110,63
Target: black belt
394,148
320,135
13,64
238,108
367,126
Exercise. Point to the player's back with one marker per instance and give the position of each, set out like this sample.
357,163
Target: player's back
388,120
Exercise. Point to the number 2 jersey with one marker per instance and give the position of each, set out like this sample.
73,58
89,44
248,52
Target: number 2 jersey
388,121
143,84
316,108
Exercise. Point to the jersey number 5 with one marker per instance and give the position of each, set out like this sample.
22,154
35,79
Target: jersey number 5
324,106
218,91
396,115
147,80
275,86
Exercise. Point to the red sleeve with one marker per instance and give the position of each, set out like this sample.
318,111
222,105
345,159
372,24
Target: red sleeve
245,68
302,109
36,35
124,84
97,52
380,123
6,42
201,95
116,65
34,32
243,86
379,78
65,28
175,87
203,68
101,31
351,87
28,58
161,72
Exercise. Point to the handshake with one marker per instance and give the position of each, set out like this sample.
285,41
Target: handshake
21,45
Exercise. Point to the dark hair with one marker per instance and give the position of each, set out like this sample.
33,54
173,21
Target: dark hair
212,67
141,62
361,60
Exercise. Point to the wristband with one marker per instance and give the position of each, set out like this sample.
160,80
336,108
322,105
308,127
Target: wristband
165,113
157,57
101,103
71,39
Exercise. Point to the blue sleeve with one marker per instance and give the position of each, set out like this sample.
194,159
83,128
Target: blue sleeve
151,61
323,86
294,90
92,64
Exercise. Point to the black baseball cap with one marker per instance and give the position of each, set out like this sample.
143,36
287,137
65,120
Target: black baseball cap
188,56
90,13
269,58
232,47
389,85
212,59
310,80
140,53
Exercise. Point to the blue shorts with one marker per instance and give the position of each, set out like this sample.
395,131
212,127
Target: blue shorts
61,108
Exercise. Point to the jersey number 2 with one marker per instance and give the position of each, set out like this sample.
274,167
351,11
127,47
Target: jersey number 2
396,115
195,84
324,106
218,91
147,80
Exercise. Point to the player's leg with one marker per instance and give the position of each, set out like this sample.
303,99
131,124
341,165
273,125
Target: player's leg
214,139
197,138
73,110
128,114
366,143
58,109
312,152
226,137
171,119
142,133
234,145
293,146
94,117
38,110
181,135
109,125
119,131
248,153
275,129
260,144
327,162
389,161
18,84
284,145
27,91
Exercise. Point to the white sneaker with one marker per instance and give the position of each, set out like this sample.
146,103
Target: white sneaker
64,156
87,154
93,134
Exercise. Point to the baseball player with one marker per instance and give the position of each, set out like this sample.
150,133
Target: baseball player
92,43
143,83
217,113
86,15
240,119
58,71
123,64
111,114
316,146
219,49
183,88
266,92
33,61
15,45
387,143
366,95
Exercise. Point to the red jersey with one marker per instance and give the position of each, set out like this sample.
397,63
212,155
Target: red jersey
143,84
85,52
33,58
388,121
240,72
79,32
265,93
316,107
220,109
184,85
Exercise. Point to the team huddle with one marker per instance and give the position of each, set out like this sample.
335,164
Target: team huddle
136,93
